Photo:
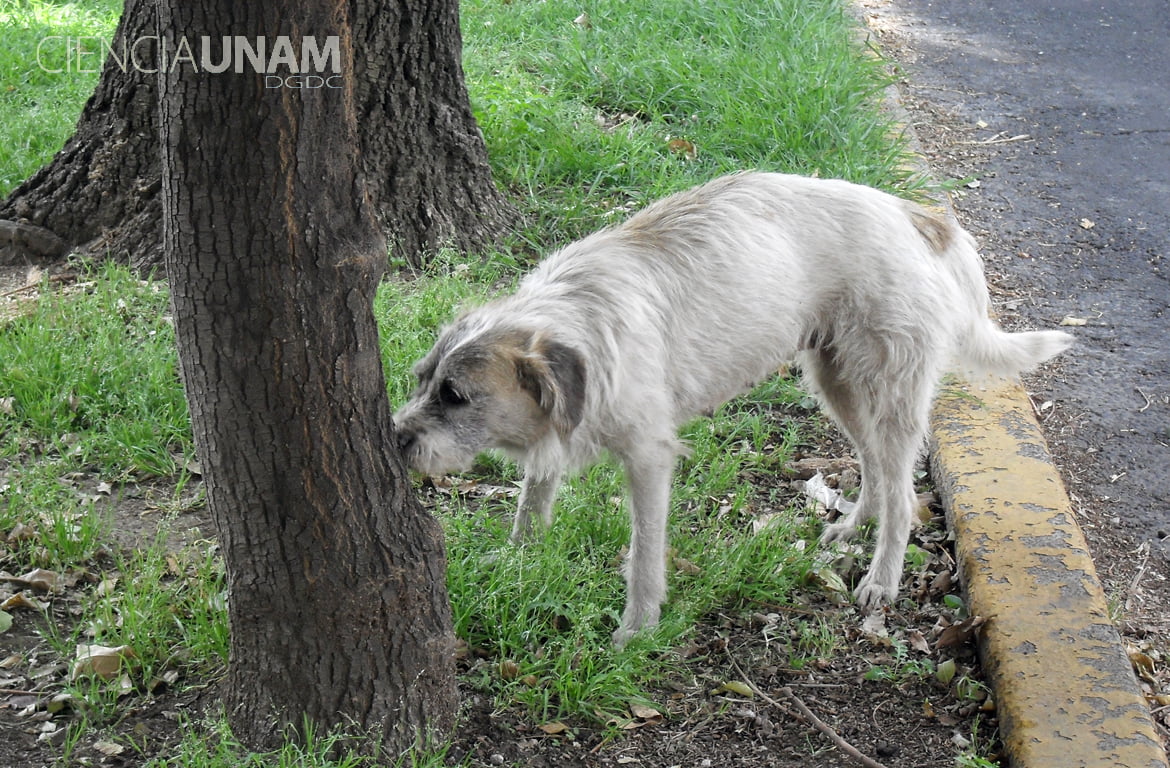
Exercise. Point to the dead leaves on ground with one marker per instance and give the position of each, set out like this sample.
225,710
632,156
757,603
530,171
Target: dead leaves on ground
39,683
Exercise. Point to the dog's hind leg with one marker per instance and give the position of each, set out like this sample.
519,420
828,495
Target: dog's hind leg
535,507
891,489
648,474
885,413
838,397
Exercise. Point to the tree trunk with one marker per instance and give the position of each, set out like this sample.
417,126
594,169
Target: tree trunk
428,176
338,602
419,42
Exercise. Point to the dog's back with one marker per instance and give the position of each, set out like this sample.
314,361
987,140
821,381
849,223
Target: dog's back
721,284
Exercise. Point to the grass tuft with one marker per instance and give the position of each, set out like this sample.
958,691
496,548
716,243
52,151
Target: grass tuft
91,375
591,109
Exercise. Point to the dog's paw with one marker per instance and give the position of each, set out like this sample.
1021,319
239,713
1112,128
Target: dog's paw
838,532
634,620
871,595
622,636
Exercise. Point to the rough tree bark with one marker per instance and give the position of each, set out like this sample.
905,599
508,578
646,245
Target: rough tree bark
430,173
422,151
338,602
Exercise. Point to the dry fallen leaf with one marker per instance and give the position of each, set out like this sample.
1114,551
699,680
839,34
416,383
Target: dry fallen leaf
109,748
1143,665
21,600
960,633
1075,322
106,586
1087,223
41,579
509,670
21,532
683,147
554,728
873,627
166,680
100,661
736,687
643,712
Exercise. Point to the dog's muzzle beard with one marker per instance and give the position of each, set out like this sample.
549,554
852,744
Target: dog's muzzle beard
427,452
507,389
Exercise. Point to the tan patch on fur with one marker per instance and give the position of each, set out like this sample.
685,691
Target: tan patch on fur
519,415
934,227
497,373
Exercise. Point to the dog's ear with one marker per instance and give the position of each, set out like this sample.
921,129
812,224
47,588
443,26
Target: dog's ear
554,373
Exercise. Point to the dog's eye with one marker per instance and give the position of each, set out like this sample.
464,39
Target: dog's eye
449,396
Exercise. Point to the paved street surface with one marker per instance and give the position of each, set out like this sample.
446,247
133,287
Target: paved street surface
1060,111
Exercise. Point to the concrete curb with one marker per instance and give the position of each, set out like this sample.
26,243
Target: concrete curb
1065,691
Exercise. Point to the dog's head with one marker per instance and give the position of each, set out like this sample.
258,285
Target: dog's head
503,388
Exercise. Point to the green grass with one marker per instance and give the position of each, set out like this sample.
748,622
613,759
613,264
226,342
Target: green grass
580,116
89,377
590,110
211,744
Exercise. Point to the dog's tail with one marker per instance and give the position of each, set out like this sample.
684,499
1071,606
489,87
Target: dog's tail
988,351
985,351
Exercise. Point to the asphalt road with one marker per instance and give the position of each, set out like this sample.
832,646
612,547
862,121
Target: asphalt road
1072,101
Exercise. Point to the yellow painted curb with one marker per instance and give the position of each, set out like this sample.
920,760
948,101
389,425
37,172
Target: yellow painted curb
1065,692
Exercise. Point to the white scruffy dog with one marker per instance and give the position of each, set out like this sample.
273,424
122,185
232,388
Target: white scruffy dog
618,339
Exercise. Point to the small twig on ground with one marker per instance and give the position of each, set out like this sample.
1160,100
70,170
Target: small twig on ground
807,715
28,286
998,138
1135,582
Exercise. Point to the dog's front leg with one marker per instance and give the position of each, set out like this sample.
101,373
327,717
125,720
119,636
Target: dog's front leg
537,493
648,473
